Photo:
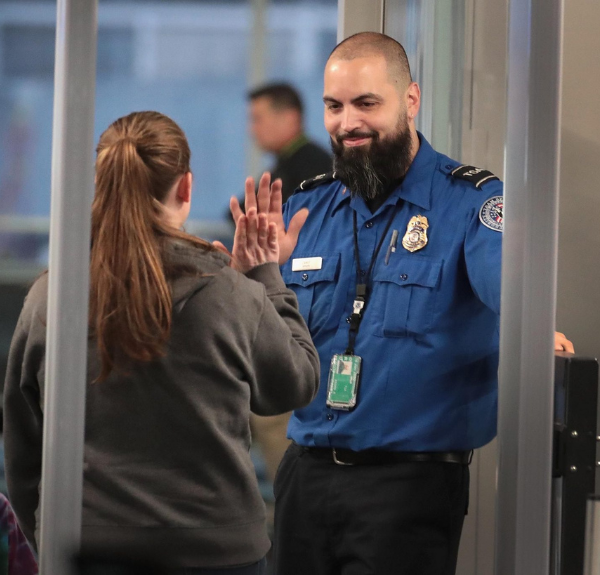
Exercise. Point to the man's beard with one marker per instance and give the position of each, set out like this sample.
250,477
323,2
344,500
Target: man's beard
369,170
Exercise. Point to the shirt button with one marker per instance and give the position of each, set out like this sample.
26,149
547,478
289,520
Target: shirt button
348,319
449,166
304,277
404,277
369,225
329,416
362,273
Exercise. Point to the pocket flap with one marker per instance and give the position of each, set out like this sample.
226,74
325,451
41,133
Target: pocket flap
327,273
408,270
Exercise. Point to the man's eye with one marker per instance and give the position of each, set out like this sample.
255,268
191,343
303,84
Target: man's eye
367,104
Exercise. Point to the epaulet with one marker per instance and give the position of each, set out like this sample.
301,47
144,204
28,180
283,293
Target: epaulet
477,176
317,181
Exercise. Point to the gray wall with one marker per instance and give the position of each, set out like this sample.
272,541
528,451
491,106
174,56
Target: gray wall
578,302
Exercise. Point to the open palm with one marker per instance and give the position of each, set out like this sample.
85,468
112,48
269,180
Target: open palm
268,201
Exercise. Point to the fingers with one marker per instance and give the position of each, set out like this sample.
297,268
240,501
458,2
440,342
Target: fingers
264,193
235,209
249,194
241,233
252,227
275,205
561,343
289,239
263,231
296,224
272,236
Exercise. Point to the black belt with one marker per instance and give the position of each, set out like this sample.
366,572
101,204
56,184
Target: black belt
380,457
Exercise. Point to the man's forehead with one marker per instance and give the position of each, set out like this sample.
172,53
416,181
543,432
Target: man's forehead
359,76
372,69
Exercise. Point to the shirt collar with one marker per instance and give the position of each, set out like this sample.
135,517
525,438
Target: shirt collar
291,148
415,189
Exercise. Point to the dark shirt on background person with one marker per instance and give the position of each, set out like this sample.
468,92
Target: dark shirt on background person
299,161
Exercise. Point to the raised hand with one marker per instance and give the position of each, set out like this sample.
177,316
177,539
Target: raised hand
269,201
255,241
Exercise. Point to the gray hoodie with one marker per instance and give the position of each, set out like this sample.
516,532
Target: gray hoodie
167,471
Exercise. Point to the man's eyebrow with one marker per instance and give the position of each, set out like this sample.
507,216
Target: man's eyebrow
367,96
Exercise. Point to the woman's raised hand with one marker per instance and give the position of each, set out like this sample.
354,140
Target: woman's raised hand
268,201
255,240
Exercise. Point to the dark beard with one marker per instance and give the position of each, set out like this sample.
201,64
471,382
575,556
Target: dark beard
368,171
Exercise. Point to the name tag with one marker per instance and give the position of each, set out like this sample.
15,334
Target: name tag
302,264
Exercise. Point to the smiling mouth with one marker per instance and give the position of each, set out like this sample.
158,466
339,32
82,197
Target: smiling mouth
351,142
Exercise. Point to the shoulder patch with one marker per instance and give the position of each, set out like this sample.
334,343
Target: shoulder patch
477,176
491,213
317,181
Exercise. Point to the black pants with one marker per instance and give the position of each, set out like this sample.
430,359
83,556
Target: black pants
259,568
396,519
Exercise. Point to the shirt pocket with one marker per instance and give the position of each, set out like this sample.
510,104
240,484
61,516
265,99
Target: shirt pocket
314,288
406,294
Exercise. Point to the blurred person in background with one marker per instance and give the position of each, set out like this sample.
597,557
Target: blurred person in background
277,126
184,342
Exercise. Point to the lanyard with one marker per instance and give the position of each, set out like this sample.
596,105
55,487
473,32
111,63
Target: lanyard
360,300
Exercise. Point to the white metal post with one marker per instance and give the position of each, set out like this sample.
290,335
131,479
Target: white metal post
526,400
257,70
359,16
68,291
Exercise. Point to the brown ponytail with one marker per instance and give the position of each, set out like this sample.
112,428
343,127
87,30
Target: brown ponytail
139,158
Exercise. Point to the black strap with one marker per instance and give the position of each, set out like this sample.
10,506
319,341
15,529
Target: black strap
360,300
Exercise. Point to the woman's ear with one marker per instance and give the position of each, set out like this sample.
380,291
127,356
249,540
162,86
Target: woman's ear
184,188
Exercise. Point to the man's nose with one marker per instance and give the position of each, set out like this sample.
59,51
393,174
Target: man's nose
350,120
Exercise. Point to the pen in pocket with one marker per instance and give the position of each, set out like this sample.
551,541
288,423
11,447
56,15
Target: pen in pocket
391,247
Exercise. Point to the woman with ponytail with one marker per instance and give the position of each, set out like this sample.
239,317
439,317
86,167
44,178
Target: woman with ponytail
183,343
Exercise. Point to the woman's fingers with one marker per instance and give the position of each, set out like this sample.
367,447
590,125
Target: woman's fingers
241,233
272,236
252,227
263,231
235,209
250,194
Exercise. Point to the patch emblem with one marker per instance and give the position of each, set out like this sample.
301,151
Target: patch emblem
415,237
491,214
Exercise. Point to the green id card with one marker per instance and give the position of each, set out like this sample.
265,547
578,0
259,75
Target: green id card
342,387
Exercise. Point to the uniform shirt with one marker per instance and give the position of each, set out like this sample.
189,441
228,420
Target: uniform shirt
429,335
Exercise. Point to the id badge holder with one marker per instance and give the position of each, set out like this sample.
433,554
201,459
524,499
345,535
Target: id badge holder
342,385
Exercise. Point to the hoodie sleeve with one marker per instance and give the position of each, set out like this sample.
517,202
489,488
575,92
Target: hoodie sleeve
23,420
286,363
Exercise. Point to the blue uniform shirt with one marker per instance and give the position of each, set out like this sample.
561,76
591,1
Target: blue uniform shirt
429,335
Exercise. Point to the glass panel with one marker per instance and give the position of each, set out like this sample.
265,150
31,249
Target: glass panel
432,34
187,59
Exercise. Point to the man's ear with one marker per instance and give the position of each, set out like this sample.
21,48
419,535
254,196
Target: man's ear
413,99
184,188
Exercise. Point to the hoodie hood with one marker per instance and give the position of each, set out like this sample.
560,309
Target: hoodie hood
203,265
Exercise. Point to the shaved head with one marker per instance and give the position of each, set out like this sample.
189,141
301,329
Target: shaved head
369,44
